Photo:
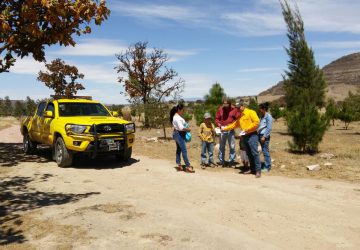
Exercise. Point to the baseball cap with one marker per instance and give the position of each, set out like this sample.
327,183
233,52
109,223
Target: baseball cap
207,115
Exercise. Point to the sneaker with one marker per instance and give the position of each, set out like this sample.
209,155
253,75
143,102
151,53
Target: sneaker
247,172
265,170
203,166
232,164
211,164
258,174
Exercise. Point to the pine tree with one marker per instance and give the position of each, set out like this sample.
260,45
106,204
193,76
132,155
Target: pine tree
8,108
350,109
253,104
275,111
30,106
304,87
332,111
2,107
216,95
212,102
19,109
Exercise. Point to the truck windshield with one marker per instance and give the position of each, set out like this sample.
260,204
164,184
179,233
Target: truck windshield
82,109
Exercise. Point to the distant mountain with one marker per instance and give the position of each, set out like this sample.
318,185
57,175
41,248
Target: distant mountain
341,75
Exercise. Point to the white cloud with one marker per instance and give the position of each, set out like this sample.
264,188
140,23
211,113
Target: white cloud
106,47
177,55
157,11
93,47
257,18
319,16
197,85
336,45
250,70
28,66
103,73
261,49
331,15
254,23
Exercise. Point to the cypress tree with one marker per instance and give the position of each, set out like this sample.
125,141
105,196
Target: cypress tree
304,87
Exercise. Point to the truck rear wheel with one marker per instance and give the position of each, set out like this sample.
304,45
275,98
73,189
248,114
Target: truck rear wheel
62,155
125,155
29,146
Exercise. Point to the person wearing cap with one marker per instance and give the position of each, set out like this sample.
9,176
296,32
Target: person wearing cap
248,123
224,117
264,131
207,136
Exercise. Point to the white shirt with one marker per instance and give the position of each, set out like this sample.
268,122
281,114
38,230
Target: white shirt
178,122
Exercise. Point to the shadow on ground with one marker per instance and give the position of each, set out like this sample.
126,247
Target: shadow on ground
11,154
16,198
101,162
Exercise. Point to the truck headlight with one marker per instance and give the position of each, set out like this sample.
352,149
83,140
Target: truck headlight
130,128
76,129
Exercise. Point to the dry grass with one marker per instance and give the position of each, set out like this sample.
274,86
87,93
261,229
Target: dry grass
344,144
6,122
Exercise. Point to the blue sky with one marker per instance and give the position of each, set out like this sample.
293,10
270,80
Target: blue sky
237,43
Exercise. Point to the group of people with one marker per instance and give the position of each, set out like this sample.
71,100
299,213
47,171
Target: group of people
228,118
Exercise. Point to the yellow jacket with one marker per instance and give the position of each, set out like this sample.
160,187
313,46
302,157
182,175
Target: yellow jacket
248,122
207,134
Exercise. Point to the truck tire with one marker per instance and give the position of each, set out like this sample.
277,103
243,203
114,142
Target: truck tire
125,155
62,155
29,146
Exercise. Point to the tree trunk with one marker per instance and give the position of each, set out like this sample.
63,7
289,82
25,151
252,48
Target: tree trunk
164,128
146,112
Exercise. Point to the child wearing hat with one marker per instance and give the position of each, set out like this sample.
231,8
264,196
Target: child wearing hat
207,136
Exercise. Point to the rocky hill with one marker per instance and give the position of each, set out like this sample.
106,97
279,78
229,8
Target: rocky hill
341,75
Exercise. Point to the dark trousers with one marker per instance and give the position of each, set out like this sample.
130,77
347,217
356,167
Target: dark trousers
251,143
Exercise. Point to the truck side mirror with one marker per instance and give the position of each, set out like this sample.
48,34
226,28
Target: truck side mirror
48,114
114,113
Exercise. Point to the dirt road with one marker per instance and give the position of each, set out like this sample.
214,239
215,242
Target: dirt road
148,205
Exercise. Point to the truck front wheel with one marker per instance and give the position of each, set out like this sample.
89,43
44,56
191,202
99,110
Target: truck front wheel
62,155
125,155
28,146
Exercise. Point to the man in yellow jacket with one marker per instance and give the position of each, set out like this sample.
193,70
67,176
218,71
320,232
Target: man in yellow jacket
248,123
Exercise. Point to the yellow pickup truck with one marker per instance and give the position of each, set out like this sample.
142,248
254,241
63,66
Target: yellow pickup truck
77,125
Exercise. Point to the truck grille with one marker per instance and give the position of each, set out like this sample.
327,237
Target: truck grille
107,128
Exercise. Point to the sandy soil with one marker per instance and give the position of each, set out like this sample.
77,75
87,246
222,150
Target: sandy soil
104,204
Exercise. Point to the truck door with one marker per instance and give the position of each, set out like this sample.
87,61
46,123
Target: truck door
46,136
36,122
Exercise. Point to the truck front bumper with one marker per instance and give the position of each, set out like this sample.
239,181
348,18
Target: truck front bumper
99,144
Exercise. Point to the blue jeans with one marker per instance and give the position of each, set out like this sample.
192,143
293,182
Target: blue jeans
230,138
209,147
251,143
180,148
266,152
